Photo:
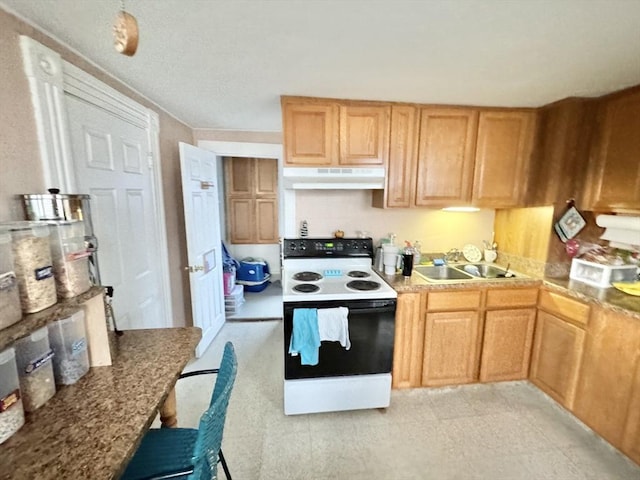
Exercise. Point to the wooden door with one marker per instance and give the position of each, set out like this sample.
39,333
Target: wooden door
607,377
204,252
445,156
503,151
450,348
409,337
401,171
310,132
615,177
112,163
266,214
239,176
364,134
506,347
556,357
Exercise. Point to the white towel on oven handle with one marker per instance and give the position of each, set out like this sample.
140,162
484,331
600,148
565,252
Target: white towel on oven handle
333,325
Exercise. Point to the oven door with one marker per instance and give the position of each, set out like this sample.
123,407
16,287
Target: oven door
371,331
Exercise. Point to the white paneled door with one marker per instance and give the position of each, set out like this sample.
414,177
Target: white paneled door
112,163
202,223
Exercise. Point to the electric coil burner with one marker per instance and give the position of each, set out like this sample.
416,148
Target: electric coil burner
321,274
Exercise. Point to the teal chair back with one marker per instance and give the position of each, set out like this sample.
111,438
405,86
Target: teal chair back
209,440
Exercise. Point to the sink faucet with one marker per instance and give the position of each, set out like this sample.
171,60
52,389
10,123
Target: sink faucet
452,255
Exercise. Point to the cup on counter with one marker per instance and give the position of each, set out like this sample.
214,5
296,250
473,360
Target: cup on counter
407,264
490,255
391,259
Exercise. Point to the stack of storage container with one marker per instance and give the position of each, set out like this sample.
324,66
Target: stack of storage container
234,300
40,263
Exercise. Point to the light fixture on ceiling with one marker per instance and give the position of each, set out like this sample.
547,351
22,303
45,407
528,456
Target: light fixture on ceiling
460,209
125,32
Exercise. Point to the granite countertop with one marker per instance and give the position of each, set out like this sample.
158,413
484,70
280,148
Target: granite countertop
92,428
606,297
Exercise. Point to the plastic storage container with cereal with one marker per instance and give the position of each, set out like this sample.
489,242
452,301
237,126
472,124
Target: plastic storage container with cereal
10,309
68,341
32,261
70,258
11,411
35,369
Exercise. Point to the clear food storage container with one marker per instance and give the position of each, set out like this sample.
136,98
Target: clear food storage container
10,309
32,261
11,411
35,369
70,258
68,340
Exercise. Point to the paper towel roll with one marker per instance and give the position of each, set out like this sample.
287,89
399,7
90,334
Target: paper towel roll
620,229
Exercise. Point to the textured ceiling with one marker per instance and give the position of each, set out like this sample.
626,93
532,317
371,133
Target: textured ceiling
224,63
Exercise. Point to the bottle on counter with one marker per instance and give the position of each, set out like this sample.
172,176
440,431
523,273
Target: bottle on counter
407,259
417,252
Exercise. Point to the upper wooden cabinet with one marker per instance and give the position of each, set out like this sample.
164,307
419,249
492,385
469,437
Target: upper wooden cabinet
445,161
561,151
403,146
614,173
503,151
252,200
319,132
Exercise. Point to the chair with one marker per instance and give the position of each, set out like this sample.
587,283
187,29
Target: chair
186,452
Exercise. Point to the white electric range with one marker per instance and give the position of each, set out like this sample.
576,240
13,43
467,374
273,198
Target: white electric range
320,273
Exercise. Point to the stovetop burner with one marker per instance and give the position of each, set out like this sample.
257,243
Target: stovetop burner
358,274
363,285
307,276
306,288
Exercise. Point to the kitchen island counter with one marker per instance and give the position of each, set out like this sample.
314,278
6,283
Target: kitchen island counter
92,429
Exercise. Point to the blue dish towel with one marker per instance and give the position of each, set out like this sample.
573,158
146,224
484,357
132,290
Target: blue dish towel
305,338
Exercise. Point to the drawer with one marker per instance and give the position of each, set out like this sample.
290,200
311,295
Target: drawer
564,306
460,300
512,297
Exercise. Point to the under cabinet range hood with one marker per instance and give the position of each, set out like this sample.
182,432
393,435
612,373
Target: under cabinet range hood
325,178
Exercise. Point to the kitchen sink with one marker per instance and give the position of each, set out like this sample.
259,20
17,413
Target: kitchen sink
485,271
464,272
442,273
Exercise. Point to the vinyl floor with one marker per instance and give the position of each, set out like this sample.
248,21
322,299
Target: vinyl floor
500,431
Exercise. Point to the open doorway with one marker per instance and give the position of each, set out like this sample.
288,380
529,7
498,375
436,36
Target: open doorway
253,212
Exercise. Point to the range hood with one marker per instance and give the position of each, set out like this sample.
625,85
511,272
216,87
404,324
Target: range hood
325,178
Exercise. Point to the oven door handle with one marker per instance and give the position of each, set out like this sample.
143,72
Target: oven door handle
375,310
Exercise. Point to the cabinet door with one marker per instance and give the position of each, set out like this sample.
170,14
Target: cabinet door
266,220
631,440
310,133
450,348
616,172
606,380
364,135
401,171
445,156
555,362
503,151
266,176
241,220
506,347
239,175
409,337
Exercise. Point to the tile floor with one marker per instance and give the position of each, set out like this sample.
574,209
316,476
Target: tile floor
502,431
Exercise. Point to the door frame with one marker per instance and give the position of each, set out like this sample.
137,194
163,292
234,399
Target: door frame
286,197
50,79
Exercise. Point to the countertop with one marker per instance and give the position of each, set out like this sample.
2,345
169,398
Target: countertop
91,429
606,297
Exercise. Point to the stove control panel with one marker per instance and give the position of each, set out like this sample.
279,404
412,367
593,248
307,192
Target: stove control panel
327,247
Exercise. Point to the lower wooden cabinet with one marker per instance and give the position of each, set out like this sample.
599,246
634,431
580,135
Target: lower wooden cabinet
607,384
555,362
631,437
450,348
408,345
506,346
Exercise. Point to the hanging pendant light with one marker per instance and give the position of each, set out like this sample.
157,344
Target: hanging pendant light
125,32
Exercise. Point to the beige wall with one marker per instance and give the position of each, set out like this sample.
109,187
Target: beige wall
351,211
20,170
236,136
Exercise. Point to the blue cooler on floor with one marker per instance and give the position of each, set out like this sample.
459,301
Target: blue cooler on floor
254,274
